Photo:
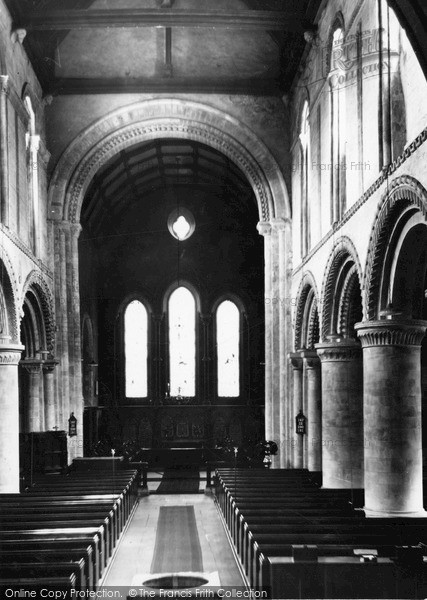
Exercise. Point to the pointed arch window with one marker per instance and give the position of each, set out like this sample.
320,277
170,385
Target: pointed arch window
136,349
228,349
182,343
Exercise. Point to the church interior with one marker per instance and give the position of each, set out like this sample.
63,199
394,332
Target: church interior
213,298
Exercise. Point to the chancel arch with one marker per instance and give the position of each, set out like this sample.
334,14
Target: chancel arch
150,125
165,118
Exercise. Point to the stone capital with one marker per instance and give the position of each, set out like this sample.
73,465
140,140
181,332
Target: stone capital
311,359
32,365
75,229
391,332
18,35
295,360
49,366
279,225
338,350
34,143
10,354
264,228
4,84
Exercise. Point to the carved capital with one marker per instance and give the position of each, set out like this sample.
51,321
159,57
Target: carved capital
49,366
295,360
10,354
391,332
311,359
18,35
339,350
75,229
264,228
279,225
32,366
4,84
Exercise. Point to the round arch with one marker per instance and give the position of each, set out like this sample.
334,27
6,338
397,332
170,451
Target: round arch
305,322
36,284
172,118
10,326
404,196
341,281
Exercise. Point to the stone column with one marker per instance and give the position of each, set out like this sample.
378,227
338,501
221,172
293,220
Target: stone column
34,144
67,300
207,347
10,355
4,162
281,318
342,416
61,309
314,414
264,229
296,440
35,412
51,420
77,401
392,416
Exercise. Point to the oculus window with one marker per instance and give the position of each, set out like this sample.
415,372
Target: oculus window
136,349
181,224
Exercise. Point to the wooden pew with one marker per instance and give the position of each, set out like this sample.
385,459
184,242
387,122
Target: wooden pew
39,555
75,520
271,513
66,584
342,577
87,545
101,526
38,570
59,535
88,511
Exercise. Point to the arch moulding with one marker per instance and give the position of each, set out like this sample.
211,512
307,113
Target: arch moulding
307,285
36,282
403,192
343,249
165,118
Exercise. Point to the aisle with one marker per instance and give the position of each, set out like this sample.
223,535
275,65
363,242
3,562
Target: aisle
135,552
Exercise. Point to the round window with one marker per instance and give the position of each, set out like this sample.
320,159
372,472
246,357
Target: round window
181,224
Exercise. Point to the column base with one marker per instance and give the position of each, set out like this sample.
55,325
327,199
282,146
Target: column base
371,514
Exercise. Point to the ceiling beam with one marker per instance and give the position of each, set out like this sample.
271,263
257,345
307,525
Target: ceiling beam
69,86
252,20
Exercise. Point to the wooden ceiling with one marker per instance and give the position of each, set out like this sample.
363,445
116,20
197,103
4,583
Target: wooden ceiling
163,168
111,46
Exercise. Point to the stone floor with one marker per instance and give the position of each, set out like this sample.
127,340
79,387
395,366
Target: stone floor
134,552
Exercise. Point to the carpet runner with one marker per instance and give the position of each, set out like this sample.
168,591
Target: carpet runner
177,545
179,481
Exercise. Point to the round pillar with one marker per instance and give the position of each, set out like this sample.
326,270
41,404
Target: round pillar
342,417
10,355
264,229
297,441
35,414
314,413
49,394
392,416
